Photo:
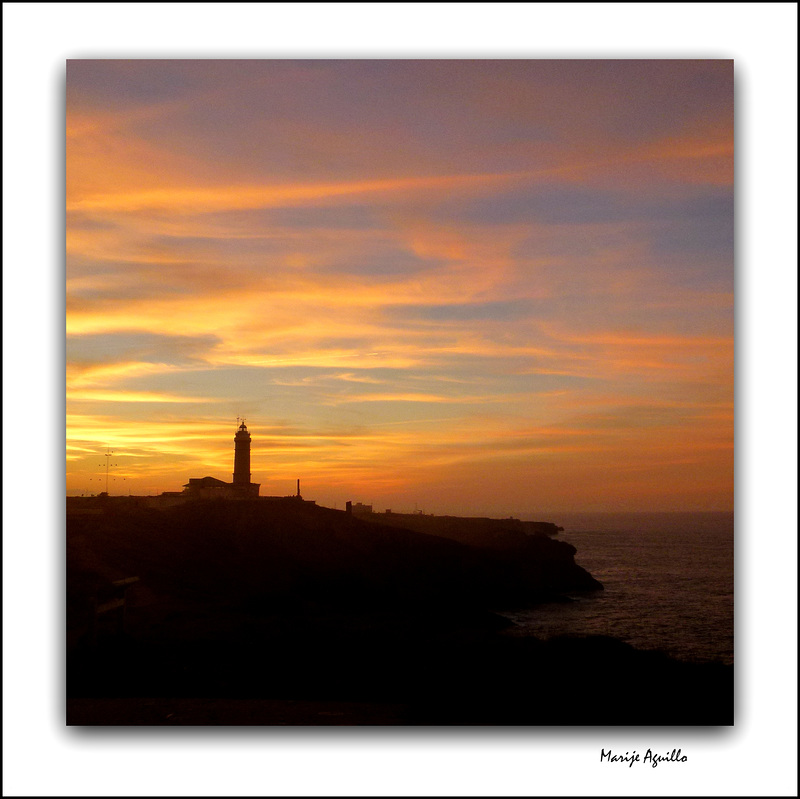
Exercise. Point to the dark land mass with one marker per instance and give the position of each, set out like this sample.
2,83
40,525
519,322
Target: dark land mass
285,613
471,530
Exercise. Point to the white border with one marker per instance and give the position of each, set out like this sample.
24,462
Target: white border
757,757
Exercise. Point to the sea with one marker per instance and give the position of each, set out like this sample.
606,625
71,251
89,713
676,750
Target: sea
667,579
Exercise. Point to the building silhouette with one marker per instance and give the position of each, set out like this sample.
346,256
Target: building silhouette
240,488
199,488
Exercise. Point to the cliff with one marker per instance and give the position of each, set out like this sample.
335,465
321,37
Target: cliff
266,613
471,530
258,550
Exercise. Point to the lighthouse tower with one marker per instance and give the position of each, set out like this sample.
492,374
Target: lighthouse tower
241,457
240,488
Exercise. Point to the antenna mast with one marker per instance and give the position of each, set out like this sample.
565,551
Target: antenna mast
108,455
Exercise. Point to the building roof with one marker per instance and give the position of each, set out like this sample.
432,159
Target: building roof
205,482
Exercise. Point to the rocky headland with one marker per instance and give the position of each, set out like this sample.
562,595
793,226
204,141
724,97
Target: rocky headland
266,613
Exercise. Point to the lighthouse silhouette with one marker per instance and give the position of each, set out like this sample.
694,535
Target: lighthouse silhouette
241,457
241,487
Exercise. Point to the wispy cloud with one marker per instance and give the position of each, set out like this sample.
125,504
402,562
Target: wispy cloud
506,280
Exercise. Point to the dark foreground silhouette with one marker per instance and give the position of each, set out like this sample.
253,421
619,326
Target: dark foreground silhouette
257,613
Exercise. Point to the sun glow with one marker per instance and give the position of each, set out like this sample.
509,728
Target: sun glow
518,295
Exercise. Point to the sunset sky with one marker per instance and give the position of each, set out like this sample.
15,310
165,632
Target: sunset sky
495,287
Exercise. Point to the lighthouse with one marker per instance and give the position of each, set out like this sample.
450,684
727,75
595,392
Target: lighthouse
241,457
241,487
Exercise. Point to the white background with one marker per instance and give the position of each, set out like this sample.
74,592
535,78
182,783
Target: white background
43,757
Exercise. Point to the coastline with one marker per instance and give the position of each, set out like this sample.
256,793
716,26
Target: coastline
315,617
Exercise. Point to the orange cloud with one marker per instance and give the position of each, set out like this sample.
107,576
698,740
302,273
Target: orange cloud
359,321
131,396
205,199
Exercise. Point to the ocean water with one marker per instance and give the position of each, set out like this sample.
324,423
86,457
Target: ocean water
668,580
